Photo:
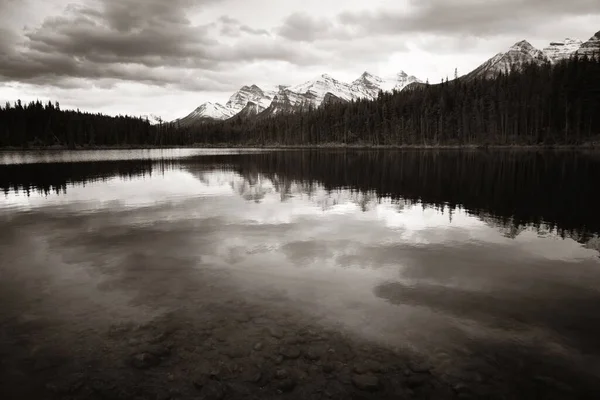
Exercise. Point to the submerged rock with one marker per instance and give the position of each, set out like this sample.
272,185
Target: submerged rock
144,360
258,346
281,374
290,352
287,385
367,382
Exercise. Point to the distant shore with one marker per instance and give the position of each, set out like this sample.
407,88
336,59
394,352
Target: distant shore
585,146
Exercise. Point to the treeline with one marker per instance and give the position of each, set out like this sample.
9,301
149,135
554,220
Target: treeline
509,189
517,188
535,105
37,125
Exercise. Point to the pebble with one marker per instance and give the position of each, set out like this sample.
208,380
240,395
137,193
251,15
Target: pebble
417,380
290,352
158,350
366,382
213,391
367,366
252,375
144,360
278,359
281,374
234,352
287,385
419,368
275,332
328,368
258,346
312,354
242,318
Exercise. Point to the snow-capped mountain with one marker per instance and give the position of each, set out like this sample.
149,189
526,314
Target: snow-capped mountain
368,85
250,110
285,101
252,100
519,54
206,112
326,89
237,103
314,91
591,48
247,94
562,50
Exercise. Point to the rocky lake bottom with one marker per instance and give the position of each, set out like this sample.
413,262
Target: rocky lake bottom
189,274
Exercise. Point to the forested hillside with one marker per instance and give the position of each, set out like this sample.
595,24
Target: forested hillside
537,105
37,124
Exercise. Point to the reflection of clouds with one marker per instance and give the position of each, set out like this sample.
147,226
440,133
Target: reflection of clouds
171,185
386,269
61,156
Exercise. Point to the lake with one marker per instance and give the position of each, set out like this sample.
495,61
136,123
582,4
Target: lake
310,274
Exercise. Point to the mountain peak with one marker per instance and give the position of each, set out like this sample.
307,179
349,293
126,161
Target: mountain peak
591,48
561,50
523,44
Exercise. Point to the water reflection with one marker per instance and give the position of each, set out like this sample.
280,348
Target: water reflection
451,253
550,192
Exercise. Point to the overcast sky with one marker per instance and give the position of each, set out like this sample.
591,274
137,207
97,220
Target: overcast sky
166,57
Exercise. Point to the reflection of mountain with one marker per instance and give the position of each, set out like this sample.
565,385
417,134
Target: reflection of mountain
512,191
55,177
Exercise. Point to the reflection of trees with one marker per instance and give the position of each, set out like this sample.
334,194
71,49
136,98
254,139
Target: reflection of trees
55,177
512,190
252,186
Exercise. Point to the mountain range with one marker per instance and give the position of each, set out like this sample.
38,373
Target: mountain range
252,100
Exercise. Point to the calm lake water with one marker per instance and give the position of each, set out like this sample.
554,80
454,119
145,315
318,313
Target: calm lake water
436,274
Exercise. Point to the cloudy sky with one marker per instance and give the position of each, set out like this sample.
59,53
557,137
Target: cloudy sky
166,57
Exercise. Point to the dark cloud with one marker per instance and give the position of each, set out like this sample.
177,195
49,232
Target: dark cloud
303,27
148,41
233,28
472,17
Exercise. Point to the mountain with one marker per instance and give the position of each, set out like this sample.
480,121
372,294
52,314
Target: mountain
519,54
558,51
286,101
237,103
206,112
314,91
252,100
251,109
368,85
247,94
591,48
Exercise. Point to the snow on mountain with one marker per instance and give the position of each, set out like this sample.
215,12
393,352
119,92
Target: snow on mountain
252,100
236,103
250,110
519,54
591,48
368,85
314,91
558,51
286,101
206,112
247,94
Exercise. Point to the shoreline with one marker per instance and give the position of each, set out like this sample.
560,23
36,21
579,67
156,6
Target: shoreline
332,146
